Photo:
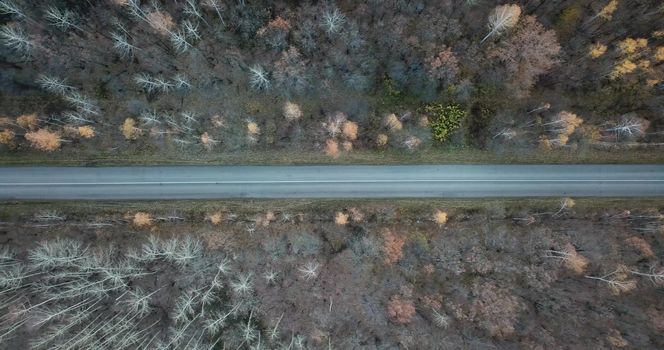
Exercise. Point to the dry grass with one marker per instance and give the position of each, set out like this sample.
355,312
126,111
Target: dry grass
132,155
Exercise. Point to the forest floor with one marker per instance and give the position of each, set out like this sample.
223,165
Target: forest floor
388,273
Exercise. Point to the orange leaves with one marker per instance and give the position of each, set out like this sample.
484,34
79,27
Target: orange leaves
392,247
44,140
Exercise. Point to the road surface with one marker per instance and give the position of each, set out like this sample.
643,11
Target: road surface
210,182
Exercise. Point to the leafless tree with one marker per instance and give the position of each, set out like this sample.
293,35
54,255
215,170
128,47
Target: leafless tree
502,17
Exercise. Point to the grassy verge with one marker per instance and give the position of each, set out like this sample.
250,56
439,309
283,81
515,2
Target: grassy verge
291,157
406,206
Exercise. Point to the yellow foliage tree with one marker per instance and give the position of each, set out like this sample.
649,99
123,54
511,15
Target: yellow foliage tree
7,137
129,129
86,132
381,140
349,130
44,140
393,123
622,68
332,148
28,121
607,11
659,54
630,46
440,217
597,50
292,111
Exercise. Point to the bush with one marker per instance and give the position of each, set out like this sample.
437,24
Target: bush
445,119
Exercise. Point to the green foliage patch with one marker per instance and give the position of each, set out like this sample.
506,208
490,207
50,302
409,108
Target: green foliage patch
444,119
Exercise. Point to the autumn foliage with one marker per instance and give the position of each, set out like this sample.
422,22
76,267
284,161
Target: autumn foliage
400,310
44,140
142,220
392,247
129,129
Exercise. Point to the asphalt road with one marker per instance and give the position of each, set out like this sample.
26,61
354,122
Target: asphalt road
210,182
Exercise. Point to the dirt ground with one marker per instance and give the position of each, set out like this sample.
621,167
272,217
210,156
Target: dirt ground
372,275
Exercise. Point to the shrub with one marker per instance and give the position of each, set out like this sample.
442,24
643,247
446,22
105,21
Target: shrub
445,119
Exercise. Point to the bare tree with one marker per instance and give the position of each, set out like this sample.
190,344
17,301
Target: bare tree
332,21
54,84
258,78
502,17
8,7
16,39
122,45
